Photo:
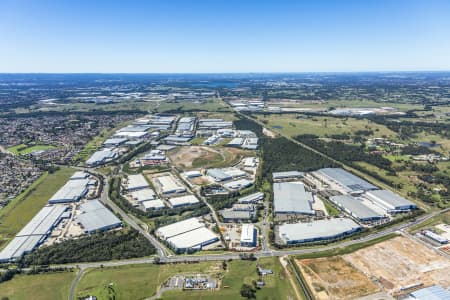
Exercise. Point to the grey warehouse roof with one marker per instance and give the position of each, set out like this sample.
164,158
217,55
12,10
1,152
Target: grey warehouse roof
218,174
43,221
320,229
355,207
291,197
72,191
95,217
344,178
389,199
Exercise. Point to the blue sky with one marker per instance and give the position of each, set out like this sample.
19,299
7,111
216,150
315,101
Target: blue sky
224,36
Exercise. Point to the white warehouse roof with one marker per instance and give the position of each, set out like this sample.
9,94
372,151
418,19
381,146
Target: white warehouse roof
143,195
169,185
153,204
247,233
177,228
183,200
136,182
317,230
72,191
193,239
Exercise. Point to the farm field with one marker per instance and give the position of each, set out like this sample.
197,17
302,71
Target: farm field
290,125
37,287
189,157
24,149
401,262
334,278
20,211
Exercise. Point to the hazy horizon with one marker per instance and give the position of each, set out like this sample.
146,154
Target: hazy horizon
176,36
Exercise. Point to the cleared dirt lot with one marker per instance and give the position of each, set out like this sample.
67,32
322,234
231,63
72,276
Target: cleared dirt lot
206,157
335,278
400,262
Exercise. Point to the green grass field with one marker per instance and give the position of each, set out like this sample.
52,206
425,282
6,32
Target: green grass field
135,281
322,126
20,210
37,287
24,149
142,281
277,285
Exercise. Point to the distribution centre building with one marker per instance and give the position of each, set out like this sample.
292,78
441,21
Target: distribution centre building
319,230
183,200
187,235
136,182
356,208
96,217
346,181
34,233
390,201
292,198
73,190
169,185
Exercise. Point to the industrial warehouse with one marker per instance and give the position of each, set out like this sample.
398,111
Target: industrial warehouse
72,191
316,231
187,236
356,208
167,184
96,217
341,180
391,202
291,198
34,233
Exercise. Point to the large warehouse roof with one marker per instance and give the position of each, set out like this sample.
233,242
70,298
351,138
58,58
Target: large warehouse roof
183,200
193,239
33,233
95,217
355,207
178,228
43,221
153,204
101,156
317,230
137,182
72,191
291,197
19,246
346,179
218,174
143,195
169,185
390,200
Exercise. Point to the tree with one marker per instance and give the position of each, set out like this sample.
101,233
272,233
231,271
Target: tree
248,292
